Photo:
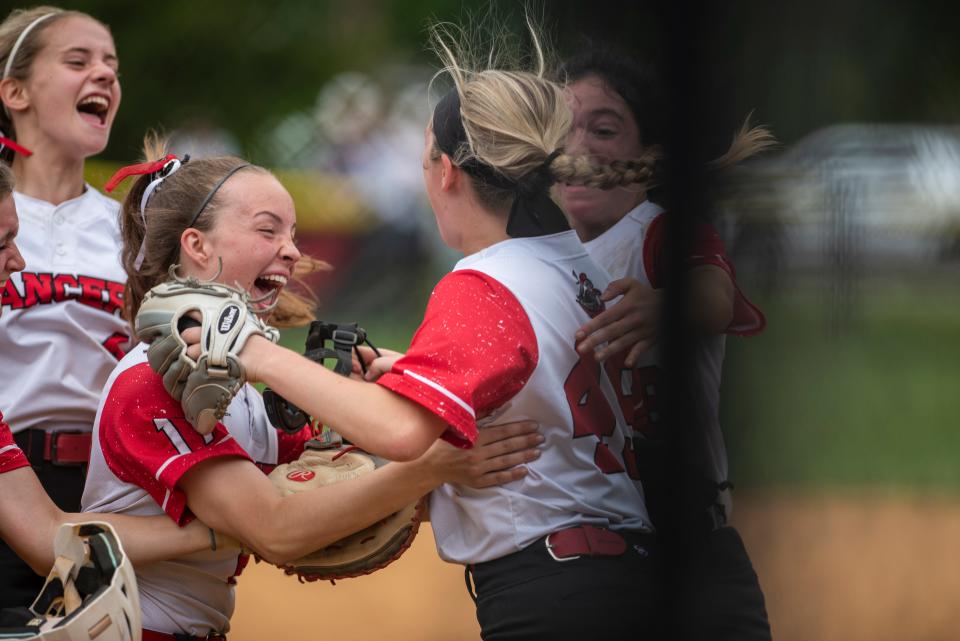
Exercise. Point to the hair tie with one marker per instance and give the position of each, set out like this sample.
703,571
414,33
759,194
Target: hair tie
213,192
163,168
166,170
540,178
533,212
140,169
23,36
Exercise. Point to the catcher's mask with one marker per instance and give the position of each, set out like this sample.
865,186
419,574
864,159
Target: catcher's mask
346,339
90,594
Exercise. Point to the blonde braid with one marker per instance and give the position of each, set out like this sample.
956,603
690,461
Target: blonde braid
581,170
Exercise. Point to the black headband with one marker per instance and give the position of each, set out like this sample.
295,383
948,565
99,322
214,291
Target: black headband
533,212
213,192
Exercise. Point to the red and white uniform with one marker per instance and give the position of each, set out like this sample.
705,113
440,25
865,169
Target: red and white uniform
142,446
60,331
495,346
11,457
634,247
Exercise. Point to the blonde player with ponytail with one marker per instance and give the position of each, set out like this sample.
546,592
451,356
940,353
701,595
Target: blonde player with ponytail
567,552
224,218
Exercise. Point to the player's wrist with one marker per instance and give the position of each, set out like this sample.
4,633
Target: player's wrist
255,357
425,473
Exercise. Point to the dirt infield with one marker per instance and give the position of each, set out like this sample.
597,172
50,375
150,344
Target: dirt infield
856,567
852,567
418,597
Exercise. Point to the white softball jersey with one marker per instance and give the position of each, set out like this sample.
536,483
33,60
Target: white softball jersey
142,446
634,247
60,331
496,346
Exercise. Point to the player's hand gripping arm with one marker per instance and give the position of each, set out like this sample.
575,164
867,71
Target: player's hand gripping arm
29,521
376,365
634,321
496,458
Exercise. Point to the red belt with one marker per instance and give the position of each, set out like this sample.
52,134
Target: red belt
584,540
150,635
59,448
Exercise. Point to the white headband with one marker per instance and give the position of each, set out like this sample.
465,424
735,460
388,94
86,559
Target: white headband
168,170
23,36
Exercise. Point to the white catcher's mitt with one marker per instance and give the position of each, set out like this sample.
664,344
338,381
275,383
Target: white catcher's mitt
204,386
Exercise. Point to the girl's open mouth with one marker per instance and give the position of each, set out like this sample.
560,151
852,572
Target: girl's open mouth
94,109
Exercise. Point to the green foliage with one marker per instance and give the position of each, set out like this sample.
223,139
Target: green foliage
876,405
241,65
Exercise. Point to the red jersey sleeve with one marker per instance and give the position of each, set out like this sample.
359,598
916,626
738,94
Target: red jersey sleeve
473,352
146,440
11,456
706,248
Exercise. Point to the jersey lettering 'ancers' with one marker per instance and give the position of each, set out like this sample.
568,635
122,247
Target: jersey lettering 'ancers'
142,447
44,289
585,473
62,330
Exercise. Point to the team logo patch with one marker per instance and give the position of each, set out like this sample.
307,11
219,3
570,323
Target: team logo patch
588,296
228,318
301,476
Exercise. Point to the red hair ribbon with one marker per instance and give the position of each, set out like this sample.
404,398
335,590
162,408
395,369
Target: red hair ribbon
6,142
137,170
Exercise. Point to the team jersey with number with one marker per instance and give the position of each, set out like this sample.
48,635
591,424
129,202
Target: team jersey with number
634,247
495,346
60,331
142,446
11,457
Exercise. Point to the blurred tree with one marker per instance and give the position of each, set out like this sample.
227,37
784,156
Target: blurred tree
243,65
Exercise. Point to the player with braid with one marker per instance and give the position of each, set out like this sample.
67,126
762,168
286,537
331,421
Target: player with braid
619,113
566,552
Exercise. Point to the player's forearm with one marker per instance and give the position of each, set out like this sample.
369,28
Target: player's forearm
28,518
369,415
149,539
302,523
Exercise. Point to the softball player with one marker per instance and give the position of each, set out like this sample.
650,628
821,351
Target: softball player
568,551
148,460
61,331
28,518
616,115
